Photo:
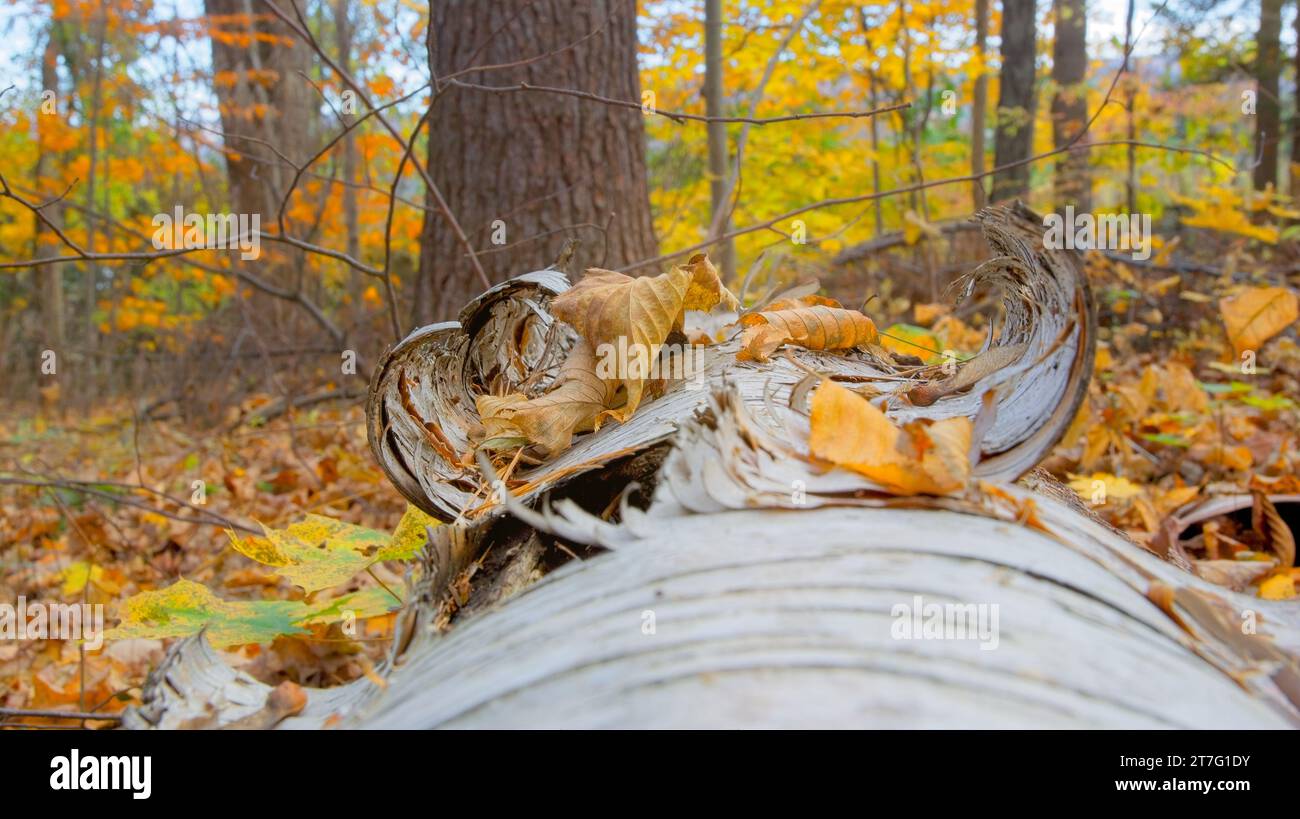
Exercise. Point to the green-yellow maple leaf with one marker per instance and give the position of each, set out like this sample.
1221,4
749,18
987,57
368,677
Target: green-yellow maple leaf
318,552
185,608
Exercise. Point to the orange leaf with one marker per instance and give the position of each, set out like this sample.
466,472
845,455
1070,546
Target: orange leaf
816,328
1256,314
920,458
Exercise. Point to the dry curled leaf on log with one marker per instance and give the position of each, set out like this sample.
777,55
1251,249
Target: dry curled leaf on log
970,373
509,341
574,404
606,307
814,327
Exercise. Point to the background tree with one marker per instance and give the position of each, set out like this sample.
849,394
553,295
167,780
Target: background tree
258,71
1268,64
980,103
535,167
1070,102
713,99
1016,104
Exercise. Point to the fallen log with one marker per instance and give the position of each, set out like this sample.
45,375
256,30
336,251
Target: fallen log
761,587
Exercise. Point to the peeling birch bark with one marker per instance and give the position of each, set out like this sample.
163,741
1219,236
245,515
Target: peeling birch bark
421,407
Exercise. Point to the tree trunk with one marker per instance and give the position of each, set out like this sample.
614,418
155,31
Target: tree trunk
261,96
1070,104
713,95
1016,104
49,277
980,106
1267,67
524,171
1130,93
1295,118
343,40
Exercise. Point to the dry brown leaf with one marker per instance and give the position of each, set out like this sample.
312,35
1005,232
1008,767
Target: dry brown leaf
607,306
1256,314
920,458
573,405
816,327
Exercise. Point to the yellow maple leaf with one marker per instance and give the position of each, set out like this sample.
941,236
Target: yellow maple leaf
1113,486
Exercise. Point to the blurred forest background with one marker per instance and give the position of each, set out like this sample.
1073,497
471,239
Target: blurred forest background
402,156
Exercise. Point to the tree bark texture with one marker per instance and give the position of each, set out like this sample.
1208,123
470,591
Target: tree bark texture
526,171
261,96
1016,104
1268,64
1070,103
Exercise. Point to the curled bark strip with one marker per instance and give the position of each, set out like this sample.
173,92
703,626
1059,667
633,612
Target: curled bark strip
420,413
421,408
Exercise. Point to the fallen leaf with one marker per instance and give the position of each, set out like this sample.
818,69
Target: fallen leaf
1277,587
919,458
606,306
185,608
816,327
319,552
1112,486
908,339
1256,314
574,404
969,372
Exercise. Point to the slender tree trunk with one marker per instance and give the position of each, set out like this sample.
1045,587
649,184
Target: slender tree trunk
524,171
1070,103
875,159
717,131
343,34
92,119
1016,105
1267,117
1130,94
262,96
50,277
980,104
1295,116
